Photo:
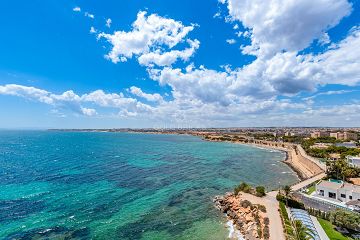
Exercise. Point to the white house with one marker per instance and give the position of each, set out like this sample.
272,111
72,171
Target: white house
353,161
338,191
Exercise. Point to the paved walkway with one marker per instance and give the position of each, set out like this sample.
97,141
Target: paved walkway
319,229
272,212
307,182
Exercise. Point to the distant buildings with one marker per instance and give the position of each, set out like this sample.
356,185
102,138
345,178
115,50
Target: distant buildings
317,134
344,135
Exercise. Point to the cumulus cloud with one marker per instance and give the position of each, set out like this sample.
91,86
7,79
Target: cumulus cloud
77,9
292,25
73,102
150,97
108,22
167,58
231,41
286,73
92,30
149,36
89,15
278,31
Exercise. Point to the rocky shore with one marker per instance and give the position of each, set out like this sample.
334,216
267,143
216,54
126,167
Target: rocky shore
250,219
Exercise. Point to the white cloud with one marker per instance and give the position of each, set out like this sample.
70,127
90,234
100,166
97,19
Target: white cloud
108,22
150,97
341,64
324,39
88,111
277,31
89,15
77,9
149,34
231,41
337,92
285,73
92,30
167,58
217,15
73,102
291,25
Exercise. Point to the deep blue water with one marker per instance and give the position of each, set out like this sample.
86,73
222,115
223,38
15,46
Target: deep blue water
85,185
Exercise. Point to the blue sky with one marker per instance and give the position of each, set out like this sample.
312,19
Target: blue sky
92,64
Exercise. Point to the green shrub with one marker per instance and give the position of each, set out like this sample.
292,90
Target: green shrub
262,208
291,202
245,204
266,233
287,223
345,219
260,191
243,187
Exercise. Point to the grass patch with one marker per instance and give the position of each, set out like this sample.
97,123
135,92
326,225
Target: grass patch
310,190
330,231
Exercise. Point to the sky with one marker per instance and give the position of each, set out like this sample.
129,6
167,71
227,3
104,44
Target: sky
162,64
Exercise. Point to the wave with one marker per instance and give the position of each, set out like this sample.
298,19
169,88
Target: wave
233,232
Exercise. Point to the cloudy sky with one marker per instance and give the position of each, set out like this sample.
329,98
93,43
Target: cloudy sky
160,63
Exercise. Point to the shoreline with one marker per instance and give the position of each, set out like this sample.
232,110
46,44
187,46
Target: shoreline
301,173
286,160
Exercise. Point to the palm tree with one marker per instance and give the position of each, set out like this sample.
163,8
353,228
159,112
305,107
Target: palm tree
300,231
287,190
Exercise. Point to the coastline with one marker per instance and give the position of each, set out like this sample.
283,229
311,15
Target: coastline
287,160
290,158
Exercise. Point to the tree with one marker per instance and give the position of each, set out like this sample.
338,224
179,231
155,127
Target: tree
340,169
345,219
260,191
300,231
287,190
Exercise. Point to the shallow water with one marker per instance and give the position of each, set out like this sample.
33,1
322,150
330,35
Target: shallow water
58,185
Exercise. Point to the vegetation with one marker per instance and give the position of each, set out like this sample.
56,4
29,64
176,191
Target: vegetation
243,187
285,219
263,136
266,232
300,231
291,202
292,139
260,191
324,153
287,190
340,169
318,213
330,231
345,219
311,189
245,204
262,208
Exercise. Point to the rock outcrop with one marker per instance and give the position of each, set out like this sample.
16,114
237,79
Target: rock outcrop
250,219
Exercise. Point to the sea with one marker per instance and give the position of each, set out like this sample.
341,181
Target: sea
128,186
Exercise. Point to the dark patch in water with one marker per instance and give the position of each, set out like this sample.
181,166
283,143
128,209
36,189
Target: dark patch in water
17,209
51,233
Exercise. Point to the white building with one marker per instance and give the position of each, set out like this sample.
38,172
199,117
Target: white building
353,161
338,192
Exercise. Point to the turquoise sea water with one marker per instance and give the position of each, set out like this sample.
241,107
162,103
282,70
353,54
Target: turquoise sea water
83,185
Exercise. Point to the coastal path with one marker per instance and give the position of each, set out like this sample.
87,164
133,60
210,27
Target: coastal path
272,212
